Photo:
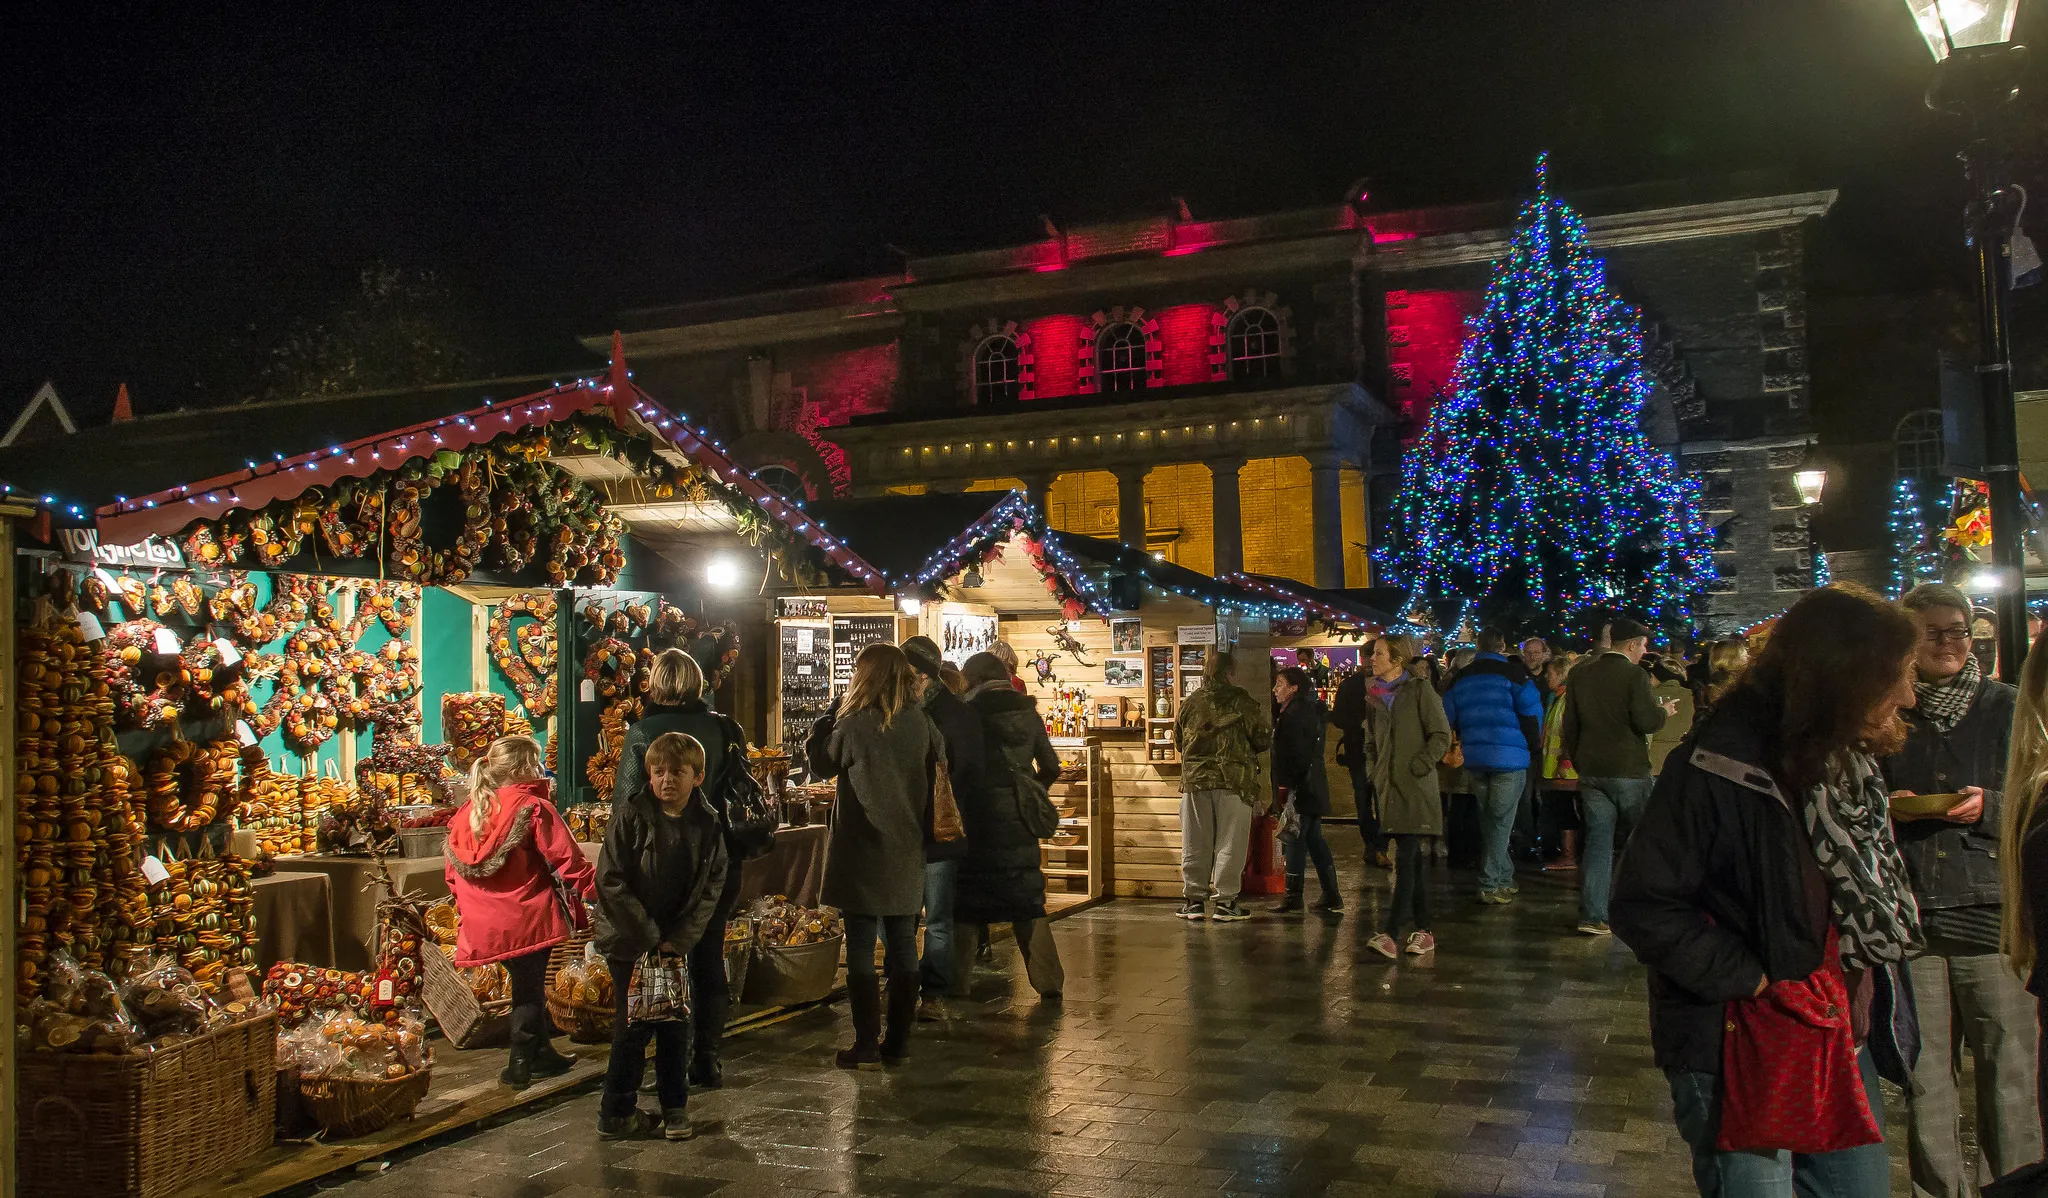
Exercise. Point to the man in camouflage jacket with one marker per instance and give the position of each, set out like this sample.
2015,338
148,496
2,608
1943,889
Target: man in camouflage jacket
1220,733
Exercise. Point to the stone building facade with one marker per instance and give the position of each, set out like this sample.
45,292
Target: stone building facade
1235,394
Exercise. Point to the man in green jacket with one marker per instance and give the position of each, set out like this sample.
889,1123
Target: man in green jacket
1609,716
1220,733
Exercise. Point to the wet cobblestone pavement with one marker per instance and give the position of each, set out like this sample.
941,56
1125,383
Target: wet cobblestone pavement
1278,1056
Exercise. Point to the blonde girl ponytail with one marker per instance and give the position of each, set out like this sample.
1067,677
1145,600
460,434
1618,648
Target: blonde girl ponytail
509,759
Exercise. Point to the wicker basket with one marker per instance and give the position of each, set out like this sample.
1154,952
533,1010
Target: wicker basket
794,973
140,1126
585,1024
345,1107
466,1022
567,952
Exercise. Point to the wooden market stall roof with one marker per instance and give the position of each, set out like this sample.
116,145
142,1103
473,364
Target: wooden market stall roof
1336,607
154,476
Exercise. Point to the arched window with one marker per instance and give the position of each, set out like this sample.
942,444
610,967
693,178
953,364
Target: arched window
1254,344
783,481
1916,444
998,375
1120,358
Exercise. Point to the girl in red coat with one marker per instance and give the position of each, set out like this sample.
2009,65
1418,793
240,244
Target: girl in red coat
506,849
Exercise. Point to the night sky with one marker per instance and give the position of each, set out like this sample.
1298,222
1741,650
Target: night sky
183,187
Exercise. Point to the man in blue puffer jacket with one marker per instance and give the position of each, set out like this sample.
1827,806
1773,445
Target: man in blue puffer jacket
1498,716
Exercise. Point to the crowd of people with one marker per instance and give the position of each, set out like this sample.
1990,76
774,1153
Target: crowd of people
1833,859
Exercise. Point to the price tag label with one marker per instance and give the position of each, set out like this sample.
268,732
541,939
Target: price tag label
100,572
153,872
89,627
243,732
229,655
385,992
167,642
587,691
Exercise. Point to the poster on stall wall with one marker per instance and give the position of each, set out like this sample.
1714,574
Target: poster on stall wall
964,634
1123,673
1126,636
1195,634
1226,630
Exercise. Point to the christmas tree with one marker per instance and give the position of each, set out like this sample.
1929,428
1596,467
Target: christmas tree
1533,489
1917,557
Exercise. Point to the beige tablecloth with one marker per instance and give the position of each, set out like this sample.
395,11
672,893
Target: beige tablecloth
294,919
355,902
794,867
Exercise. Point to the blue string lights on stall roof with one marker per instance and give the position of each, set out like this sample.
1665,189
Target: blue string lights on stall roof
1533,483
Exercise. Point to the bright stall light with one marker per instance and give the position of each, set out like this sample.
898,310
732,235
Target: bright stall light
722,573
910,605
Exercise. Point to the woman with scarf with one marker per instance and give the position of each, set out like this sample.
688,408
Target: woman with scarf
1957,739
1764,858
1406,736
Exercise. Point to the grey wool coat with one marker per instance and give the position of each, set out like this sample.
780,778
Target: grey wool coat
875,857
1403,744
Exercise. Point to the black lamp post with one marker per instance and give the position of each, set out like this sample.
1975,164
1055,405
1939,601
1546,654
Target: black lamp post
1977,73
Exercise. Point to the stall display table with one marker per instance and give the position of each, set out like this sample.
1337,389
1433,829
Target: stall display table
294,919
355,896
795,867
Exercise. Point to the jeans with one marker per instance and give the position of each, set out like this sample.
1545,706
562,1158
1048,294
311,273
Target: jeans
1500,797
1602,802
1309,845
899,944
629,1053
1851,1173
1975,1001
941,883
1368,813
1522,842
1216,833
1411,895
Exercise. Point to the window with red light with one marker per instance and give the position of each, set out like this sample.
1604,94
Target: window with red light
1254,344
997,371
1120,358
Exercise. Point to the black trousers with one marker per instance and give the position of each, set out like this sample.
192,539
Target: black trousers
629,1054
1411,893
1368,811
710,996
529,976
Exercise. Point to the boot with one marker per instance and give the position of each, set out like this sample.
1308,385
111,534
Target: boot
1290,902
546,1062
518,1072
864,1000
903,996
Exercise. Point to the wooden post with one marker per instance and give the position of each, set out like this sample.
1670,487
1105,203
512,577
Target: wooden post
10,883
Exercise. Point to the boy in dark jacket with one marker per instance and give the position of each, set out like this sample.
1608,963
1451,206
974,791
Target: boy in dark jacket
659,878
1498,716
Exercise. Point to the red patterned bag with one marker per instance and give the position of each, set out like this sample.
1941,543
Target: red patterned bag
1789,1078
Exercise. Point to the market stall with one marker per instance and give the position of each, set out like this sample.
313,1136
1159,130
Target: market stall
231,667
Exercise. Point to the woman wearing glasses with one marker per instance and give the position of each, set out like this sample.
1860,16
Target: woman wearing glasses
1958,736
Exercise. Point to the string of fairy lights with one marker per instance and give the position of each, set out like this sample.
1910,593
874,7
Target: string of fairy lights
1533,482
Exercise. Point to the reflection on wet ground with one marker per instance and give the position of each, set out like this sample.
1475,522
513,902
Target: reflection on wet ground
1279,1056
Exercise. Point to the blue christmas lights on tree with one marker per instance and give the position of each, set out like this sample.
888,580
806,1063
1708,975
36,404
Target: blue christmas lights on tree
1917,557
1533,489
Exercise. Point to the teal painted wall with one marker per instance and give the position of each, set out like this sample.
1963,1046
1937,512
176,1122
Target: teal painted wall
444,655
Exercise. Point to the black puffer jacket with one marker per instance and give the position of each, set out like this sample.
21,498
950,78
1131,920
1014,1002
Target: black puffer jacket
1001,880
1955,865
634,876
1298,755
716,731
965,739
1719,888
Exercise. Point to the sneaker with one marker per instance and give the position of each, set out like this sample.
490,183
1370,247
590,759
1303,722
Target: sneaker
1593,927
1493,896
931,1009
1288,905
1228,911
627,1127
1384,945
1421,942
675,1125
1331,902
1191,910
1383,861
1511,888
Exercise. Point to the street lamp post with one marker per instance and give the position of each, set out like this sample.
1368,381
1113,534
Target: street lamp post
1977,71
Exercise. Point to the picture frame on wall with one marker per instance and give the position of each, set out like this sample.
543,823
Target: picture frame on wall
1123,673
1126,636
1109,713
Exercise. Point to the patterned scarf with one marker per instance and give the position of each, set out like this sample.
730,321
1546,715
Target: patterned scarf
1946,703
1382,690
1849,823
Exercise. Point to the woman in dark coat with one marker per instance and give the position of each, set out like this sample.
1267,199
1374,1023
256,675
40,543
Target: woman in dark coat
675,703
886,752
1001,879
1298,767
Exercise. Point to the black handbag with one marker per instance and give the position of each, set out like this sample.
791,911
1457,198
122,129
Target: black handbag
749,820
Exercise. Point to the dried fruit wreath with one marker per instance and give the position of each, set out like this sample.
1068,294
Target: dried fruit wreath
528,655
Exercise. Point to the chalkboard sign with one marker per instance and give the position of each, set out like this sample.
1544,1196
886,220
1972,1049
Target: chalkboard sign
851,634
806,682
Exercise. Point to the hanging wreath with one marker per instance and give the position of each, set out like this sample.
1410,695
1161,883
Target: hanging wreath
310,719
185,784
611,665
394,603
532,679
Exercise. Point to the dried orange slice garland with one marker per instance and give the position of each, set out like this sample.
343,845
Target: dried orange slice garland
528,659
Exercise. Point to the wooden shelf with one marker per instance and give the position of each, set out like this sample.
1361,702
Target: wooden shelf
1064,873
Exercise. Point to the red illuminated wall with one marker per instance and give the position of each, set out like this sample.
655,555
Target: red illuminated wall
1056,351
1187,334
1424,332
851,383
